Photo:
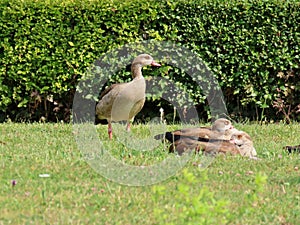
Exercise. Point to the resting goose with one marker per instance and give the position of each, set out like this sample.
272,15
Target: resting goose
123,101
221,137
220,129
244,142
240,143
291,149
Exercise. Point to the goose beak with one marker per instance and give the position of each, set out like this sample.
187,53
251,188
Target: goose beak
155,64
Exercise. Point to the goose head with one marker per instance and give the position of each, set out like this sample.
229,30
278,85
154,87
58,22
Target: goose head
222,125
140,61
144,60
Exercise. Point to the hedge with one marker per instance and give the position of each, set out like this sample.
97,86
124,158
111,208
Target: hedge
251,46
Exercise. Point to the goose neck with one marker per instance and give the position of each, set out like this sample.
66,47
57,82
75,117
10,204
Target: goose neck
136,71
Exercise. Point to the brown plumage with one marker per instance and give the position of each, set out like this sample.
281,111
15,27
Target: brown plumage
123,101
220,129
291,149
239,143
221,137
208,146
244,142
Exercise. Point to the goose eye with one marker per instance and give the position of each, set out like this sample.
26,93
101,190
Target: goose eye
226,122
147,57
239,136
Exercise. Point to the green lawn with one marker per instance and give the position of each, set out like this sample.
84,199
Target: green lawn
232,190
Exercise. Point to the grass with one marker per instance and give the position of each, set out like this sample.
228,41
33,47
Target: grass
232,190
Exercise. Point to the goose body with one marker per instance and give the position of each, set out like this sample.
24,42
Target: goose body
220,129
240,143
123,101
244,143
291,149
207,146
221,137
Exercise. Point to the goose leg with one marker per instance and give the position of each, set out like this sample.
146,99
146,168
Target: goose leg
128,126
109,130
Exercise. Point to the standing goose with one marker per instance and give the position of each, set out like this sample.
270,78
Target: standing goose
123,101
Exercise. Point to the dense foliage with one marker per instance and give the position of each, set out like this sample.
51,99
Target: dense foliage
251,46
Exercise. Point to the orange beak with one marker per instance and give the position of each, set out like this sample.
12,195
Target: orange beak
155,64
